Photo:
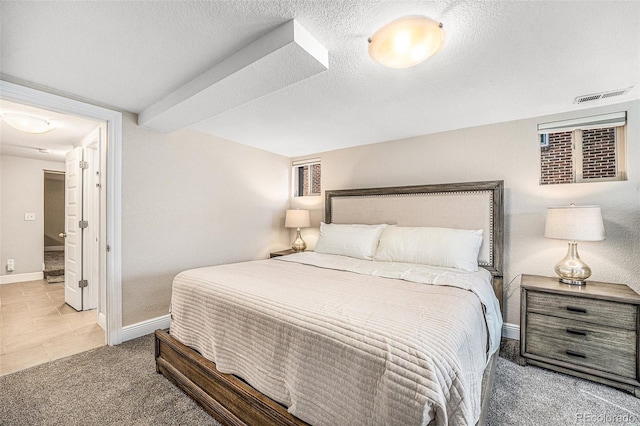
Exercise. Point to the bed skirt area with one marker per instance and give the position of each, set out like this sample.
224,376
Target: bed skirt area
230,400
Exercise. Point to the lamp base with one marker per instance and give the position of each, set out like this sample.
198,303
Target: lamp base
572,282
572,270
299,244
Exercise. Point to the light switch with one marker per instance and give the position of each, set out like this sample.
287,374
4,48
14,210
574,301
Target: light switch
29,216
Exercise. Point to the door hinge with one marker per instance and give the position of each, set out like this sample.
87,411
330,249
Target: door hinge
83,224
84,164
83,283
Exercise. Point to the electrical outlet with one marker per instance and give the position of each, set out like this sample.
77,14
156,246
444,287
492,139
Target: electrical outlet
10,265
29,216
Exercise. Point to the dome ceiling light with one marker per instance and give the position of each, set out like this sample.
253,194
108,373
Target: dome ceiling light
27,123
406,42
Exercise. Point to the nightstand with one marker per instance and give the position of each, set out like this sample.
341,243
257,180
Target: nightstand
588,331
281,253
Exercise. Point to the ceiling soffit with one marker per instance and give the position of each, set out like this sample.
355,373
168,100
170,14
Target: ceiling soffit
285,56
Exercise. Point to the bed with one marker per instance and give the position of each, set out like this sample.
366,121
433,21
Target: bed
269,321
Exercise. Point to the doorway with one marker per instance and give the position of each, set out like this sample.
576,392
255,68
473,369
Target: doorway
37,325
53,236
109,250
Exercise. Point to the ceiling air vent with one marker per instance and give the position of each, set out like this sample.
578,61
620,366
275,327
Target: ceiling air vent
601,95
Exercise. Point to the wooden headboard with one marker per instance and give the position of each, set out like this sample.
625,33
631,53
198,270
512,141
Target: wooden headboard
467,205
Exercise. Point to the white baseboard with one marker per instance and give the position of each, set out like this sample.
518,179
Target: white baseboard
20,278
102,321
143,328
511,331
54,248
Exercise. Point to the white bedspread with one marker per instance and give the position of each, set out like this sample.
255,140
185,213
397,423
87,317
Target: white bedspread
339,347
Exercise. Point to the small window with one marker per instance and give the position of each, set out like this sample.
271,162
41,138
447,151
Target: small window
591,149
307,178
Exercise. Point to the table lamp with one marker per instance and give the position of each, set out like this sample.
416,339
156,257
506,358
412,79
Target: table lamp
297,219
574,223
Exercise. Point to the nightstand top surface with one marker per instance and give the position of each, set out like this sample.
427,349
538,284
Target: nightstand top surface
592,289
282,252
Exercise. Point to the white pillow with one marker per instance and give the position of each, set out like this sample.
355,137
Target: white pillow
451,248
359,241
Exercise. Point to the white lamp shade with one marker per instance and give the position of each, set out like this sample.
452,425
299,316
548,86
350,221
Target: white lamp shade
297,219
574,223
406,42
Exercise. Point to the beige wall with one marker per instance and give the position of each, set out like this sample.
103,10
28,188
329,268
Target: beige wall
507,151
22,192
53,209
190,200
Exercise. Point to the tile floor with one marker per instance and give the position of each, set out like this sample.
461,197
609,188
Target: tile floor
36,326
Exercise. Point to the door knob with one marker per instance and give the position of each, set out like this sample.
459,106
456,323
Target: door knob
62,235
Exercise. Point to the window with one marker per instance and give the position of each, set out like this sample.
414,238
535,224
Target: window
307,177
590,149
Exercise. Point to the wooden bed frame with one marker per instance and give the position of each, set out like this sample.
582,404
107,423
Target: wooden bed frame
232,401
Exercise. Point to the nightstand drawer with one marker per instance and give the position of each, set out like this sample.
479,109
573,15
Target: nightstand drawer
588,331
582,333
612,314
596,357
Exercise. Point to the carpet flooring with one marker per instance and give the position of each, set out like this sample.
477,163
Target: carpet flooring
54,266
106,386
119,385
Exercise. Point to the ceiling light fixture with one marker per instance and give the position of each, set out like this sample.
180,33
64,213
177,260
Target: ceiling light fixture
406,42
27,123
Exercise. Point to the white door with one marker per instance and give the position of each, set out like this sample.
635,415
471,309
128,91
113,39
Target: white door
73,241
91,213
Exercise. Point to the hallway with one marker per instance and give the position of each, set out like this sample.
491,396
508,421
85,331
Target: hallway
36,326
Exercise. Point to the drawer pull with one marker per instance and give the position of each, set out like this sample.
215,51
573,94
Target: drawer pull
576,310
576,354
577,332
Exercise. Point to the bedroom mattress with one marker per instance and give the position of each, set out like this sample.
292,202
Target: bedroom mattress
337,342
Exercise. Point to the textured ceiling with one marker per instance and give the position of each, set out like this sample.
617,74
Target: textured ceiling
501,61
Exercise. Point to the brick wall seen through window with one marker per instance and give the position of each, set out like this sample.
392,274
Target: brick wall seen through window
556,161
315,180
599,153
307,179
598,147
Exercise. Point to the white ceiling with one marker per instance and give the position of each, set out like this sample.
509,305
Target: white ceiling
69,132
501,61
